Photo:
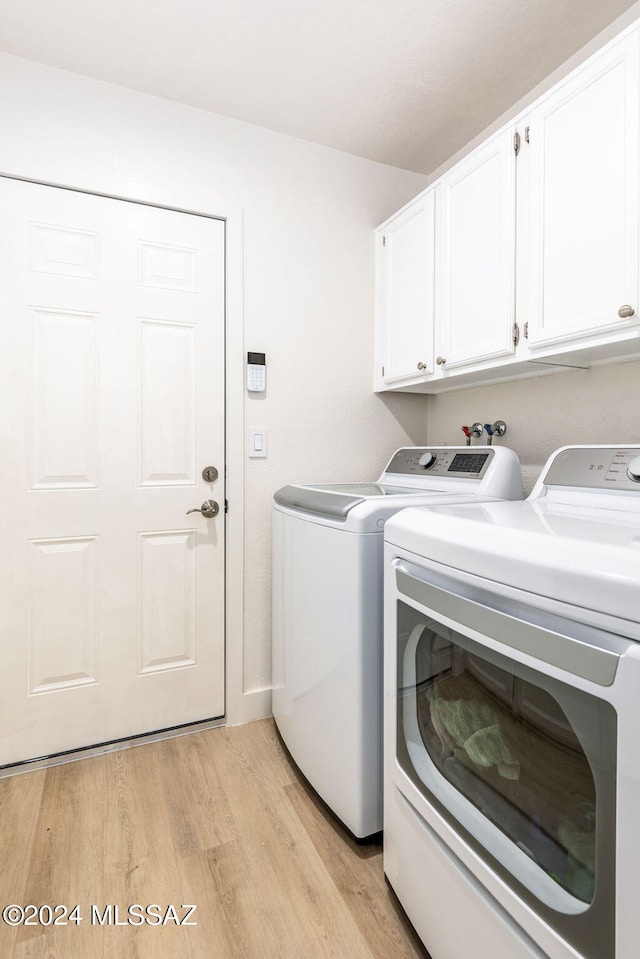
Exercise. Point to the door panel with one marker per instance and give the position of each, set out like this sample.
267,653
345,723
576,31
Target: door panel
167,420
64,410
475,255
112,379
62,638
407,266
583,244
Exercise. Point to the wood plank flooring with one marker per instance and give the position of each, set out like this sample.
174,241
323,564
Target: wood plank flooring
219,819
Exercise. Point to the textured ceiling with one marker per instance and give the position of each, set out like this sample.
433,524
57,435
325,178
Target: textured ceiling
404,82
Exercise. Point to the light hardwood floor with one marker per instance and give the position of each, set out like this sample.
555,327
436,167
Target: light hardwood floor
219,819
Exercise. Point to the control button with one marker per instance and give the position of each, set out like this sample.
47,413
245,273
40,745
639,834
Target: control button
633,469
427,460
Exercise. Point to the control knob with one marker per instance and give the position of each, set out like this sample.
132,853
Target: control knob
427,460
633,469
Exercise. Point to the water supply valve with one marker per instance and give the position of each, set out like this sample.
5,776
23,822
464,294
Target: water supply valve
469,431
499,428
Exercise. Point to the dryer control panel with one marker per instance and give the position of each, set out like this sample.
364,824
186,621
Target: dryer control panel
456,462
596,467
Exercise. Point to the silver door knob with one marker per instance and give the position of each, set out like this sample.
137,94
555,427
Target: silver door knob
209,474
422,366
626,311
441,360
209,509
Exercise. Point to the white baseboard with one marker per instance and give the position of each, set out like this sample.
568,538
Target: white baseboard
247,708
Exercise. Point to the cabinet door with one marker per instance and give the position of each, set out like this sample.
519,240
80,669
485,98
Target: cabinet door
405,276
582,154
475,244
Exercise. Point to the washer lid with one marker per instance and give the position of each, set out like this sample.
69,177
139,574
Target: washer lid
584,556
315,500
337,499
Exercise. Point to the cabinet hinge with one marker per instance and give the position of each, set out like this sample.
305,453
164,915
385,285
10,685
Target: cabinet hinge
516,334
526,134
226,506
384,241
516,142
383,370
525,330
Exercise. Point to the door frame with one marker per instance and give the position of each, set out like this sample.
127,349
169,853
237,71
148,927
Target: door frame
240,706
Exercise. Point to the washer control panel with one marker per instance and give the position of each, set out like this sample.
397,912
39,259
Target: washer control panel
455,462
605,467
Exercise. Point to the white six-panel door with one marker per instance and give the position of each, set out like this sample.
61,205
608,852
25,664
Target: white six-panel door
112,403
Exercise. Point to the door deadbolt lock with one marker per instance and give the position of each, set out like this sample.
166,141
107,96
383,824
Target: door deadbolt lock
209,509
209,474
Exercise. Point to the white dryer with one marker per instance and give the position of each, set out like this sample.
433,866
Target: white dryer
512,716
327,612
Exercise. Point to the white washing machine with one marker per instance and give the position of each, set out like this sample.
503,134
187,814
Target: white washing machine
512,716
327,612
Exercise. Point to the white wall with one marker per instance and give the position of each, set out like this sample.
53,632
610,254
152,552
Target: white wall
308,219
543,413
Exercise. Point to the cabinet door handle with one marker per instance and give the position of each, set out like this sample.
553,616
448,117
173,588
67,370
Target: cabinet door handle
422,366
441,360
626,311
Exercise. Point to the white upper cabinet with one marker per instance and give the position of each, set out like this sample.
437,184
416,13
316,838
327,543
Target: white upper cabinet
405,266
537,243
581,252
475,256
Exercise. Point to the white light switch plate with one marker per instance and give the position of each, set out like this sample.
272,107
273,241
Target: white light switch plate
257,443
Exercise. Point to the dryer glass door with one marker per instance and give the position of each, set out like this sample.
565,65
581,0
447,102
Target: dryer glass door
522,767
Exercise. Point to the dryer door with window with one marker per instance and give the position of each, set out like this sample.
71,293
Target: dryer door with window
521,766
